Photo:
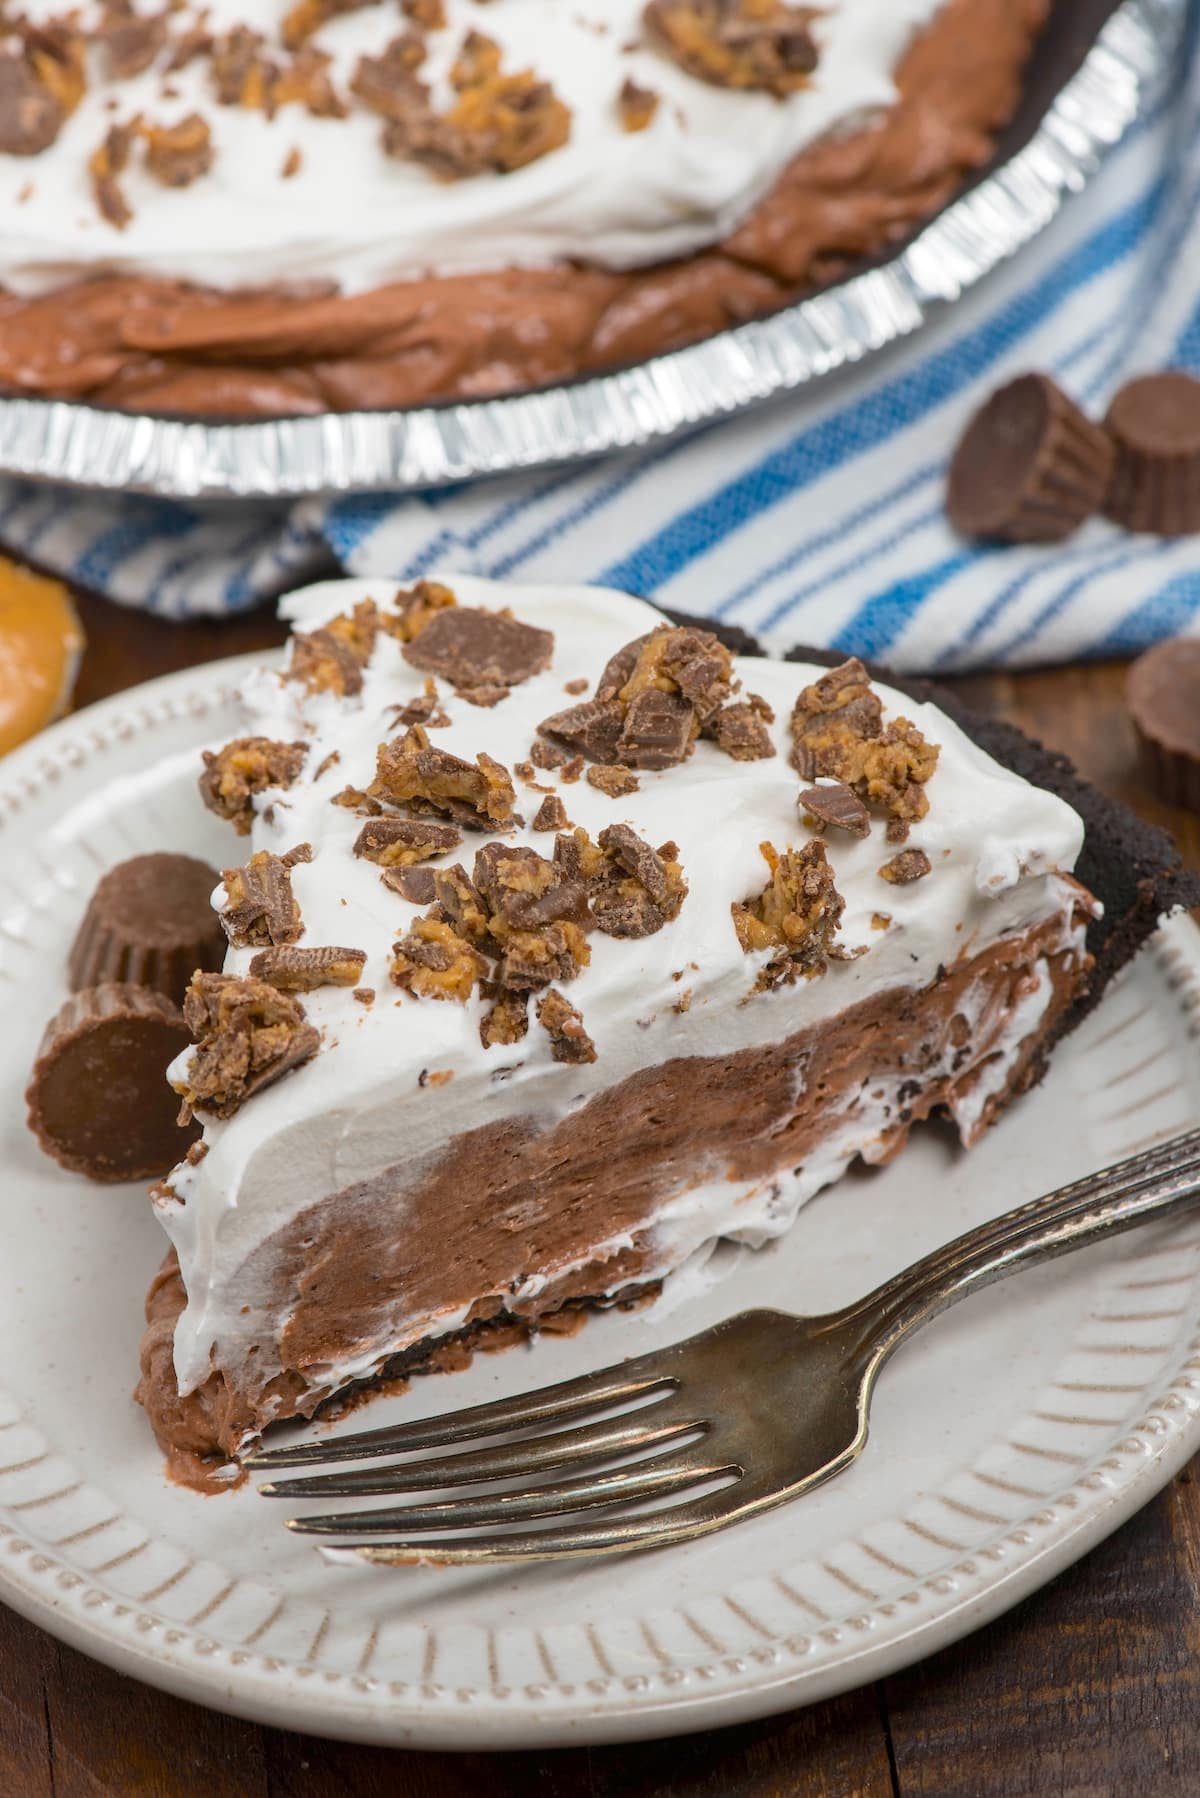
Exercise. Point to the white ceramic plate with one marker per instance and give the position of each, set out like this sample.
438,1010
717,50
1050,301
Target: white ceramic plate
1010,1437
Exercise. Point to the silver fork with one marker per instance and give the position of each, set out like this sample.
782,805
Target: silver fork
744,1416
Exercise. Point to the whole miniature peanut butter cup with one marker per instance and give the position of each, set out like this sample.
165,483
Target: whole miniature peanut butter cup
150,923
99,1102
1163,692
1154,423
1029,468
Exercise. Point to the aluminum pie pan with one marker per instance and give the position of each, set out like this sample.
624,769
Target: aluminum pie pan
434,446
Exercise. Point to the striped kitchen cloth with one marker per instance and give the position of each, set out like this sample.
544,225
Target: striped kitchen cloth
815,519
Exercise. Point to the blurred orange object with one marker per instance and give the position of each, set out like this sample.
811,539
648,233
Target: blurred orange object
41,641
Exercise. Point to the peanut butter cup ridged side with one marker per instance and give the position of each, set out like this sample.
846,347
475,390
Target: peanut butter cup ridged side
1154,423
1030,467
150,923
1163,692
99,1102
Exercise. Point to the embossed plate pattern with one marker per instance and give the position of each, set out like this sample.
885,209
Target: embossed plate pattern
430,446
1011,1436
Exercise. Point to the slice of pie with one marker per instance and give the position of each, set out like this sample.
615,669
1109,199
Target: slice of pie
563,943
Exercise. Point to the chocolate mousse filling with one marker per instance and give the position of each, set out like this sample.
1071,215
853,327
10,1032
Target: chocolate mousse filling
148,344
417,1242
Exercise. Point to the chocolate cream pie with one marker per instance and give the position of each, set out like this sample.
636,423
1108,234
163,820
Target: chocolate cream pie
267,207
563,943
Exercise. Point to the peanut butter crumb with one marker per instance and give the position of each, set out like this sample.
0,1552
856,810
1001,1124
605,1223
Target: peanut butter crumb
795,916
838,731
233,776
247,1035
757,44
569,1041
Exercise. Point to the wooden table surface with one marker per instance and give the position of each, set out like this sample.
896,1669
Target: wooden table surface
1090,1689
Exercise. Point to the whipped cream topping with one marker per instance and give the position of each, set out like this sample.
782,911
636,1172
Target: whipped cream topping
998,846
357,218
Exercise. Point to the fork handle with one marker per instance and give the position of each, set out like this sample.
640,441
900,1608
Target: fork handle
1151,1184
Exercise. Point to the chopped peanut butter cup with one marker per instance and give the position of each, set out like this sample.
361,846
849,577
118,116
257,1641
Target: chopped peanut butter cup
99,1102
150,922
1154,424
1029,467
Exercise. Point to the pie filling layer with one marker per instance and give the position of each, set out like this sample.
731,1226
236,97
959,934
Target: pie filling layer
275,233
630,1188
566,944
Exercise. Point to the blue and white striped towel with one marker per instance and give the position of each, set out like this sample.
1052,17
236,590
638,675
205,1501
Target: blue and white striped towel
816,519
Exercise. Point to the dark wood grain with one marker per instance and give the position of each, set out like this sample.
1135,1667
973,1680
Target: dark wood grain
1090,1689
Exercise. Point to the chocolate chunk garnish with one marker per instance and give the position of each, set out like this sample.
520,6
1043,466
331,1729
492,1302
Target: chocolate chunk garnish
30,115
307,16
325,664
179,154
795,916
614,780
461,903
98,1097
261,909
247,1035
535,914
910,864
131,40
249,765
758,44
303,970
107,163
402,842
417,885
658,730
836,804
838,731
474,648
416,606
569,1041
508,1019
149,923
411,769
1029,468
637,889
525,889
498,121
426,709
355,800
242,72
551,814
593,727
652,700
636,106
837,710
741,730
435,962
1154,425
547,756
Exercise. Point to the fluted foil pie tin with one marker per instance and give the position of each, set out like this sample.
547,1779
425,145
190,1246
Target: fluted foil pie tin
431,446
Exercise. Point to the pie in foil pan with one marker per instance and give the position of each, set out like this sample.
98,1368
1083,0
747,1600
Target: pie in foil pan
1094,71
